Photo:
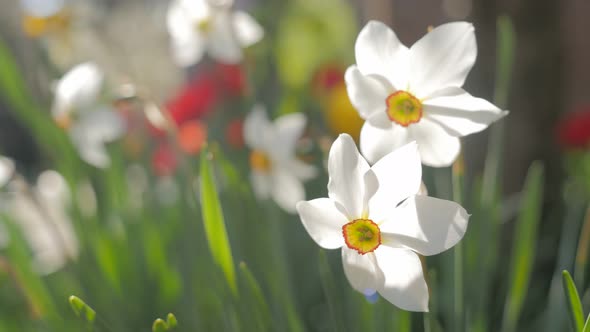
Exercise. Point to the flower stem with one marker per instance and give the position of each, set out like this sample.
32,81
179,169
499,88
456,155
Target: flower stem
458,306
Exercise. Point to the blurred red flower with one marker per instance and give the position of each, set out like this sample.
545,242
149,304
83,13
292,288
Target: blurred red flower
164,161
573,131
327,77
195,100
199,96
231,79
234,133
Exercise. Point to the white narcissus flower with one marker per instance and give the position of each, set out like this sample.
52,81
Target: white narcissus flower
381,222
77,90
414,94
199,26
276,171
77,108
41,213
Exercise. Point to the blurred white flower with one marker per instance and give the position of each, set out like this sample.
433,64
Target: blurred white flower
41,213
42,8
199,26
77,108
7,170
276,171
381,222
415,94
77,90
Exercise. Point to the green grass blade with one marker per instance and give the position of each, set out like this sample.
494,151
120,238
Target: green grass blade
587,325
573,300
14,90
214,223
506,41
261,311
330,291
524,243
583,249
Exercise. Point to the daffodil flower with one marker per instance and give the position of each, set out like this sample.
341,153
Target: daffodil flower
199,26
77,109
381,222
414,94
276,172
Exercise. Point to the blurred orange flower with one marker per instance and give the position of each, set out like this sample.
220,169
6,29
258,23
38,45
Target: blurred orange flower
191,136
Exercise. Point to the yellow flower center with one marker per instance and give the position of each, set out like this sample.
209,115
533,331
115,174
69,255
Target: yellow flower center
403,108
203,25
362,235
64,121
37,26
259,161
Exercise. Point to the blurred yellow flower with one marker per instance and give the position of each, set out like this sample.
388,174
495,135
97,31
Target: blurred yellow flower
340,115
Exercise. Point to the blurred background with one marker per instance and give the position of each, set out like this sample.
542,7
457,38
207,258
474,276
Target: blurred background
550,78
297,66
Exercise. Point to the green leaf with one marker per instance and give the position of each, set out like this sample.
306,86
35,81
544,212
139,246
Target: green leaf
259,308
524,243
214,223
587,325
574,303
14,91
581,261
159,326
81,309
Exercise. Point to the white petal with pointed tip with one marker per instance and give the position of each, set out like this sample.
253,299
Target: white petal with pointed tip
361,271
323,221
399,174
378,51
376,142
425,224
437,148
459,113
366,93
442,58
404,283
347,169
